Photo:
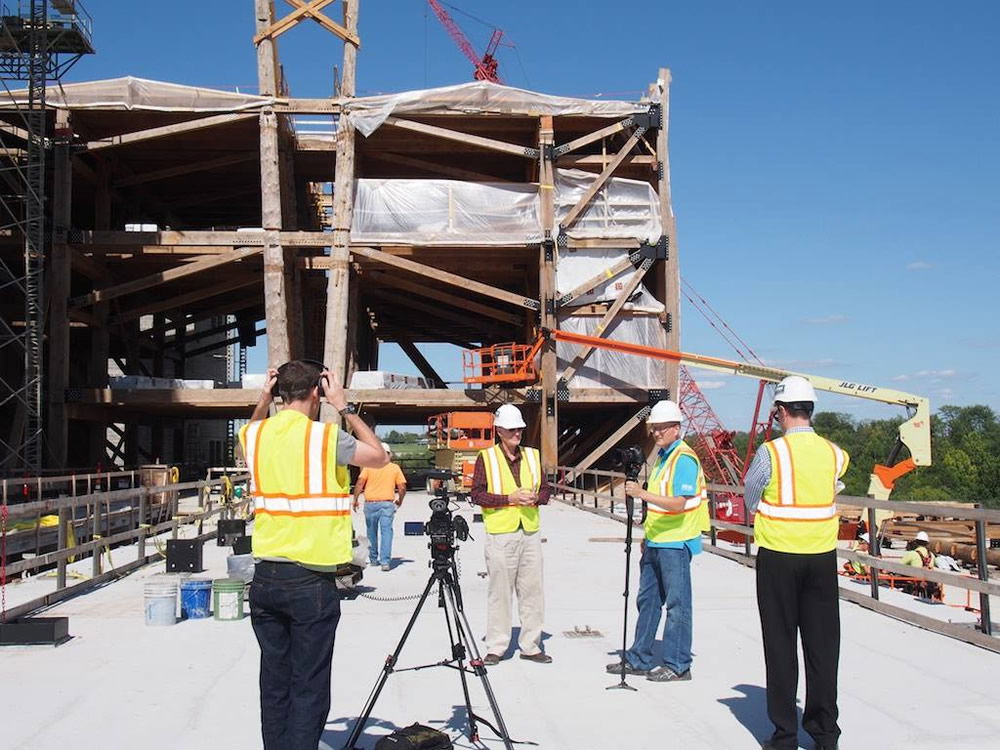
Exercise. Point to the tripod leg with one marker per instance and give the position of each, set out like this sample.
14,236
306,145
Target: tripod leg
390,663
458,654
465,634
629,508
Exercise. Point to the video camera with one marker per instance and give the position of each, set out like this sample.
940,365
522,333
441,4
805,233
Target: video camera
443,527
630,460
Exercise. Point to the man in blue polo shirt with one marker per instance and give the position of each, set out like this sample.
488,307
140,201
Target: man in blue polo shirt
676,516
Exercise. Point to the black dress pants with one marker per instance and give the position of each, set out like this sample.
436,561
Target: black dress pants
798,594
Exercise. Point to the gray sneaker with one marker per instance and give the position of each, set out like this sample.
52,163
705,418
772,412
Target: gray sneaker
666,674
387,567
616,668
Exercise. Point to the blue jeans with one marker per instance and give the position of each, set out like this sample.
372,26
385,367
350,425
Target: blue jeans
378,519
294,612
664,578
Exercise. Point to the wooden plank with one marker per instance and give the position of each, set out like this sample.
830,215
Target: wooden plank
445,277
600,160
591,137
592,457
423,290
279,27
165,131
599,181
548,424
275,293
188,269
100,240
418,359
604,325
184,169
671,266
606,275
490,144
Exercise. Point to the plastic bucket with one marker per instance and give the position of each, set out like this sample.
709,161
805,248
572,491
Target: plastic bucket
196,596
240,566
161,602
227,598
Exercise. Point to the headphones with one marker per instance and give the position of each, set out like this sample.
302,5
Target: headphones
315,363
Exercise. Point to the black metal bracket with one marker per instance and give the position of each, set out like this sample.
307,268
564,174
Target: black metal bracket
668,322
657,394
549,246
533,396
550,306
562,390
531,304
652,118
531,153
550,406
659,251
549,152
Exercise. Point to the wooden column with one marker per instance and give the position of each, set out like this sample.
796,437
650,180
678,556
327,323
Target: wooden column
338,297
57,427
547,259
275,291
671,267
100,339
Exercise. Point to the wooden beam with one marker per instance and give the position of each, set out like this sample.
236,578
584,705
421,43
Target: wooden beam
599,181
302,11
490,144
189,298
423,290
443,276
591,458
606,275
433,167
671,266
183,169
427,309
165,131
548,423
601,160
188,269
60,273
421,363
603,326
591,137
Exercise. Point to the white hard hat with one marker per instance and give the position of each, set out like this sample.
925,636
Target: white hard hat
509,417
864,537
794,388
922,536
664,411
386,448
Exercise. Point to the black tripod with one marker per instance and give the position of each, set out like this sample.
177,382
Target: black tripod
445,574
629,509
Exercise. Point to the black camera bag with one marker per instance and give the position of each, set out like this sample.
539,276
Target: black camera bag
415,737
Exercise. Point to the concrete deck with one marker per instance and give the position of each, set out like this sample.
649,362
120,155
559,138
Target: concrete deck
119,683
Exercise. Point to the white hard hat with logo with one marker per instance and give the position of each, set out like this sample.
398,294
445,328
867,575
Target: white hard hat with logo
509,417
663,412
794,388
922,536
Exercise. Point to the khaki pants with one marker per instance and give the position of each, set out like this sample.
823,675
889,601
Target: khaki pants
514,564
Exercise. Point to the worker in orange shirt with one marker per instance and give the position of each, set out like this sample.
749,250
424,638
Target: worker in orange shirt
384,490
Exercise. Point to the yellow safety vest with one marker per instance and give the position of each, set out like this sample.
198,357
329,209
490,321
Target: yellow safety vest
797,512
500,481
302,501
676,525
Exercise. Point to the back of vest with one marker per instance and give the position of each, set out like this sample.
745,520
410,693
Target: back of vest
301,496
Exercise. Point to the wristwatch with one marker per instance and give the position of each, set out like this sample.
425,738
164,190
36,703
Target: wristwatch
349,409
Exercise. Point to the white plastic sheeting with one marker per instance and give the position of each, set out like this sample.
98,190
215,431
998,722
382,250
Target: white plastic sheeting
375,379
479,97
577,265
139,93
444,212
609,369
621,209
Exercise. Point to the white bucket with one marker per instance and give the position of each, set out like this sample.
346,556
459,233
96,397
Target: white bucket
240,566
161,602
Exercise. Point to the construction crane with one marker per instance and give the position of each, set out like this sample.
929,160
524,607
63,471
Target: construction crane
512,363
485,66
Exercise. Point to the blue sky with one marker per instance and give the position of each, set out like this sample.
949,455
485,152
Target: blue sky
834,165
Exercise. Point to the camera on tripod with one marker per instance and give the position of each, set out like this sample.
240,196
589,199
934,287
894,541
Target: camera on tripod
630,460
443,527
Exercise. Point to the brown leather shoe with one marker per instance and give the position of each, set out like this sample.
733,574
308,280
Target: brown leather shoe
541,657
491,660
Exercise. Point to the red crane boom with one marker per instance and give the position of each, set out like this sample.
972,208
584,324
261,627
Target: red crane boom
485,67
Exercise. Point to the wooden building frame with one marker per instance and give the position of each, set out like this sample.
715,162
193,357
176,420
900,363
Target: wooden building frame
244,229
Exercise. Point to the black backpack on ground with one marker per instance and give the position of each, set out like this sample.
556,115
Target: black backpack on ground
415,737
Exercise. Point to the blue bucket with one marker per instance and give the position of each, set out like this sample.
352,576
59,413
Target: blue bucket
196,597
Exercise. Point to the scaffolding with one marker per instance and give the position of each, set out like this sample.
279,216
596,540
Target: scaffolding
39,41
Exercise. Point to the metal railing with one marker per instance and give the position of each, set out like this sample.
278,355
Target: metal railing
600,491
112,518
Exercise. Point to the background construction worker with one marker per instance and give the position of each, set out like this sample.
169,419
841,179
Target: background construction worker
791,485
675,518
384,490
302,532
508,483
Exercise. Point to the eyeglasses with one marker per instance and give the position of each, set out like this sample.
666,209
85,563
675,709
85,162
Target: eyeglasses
511,429
660,427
